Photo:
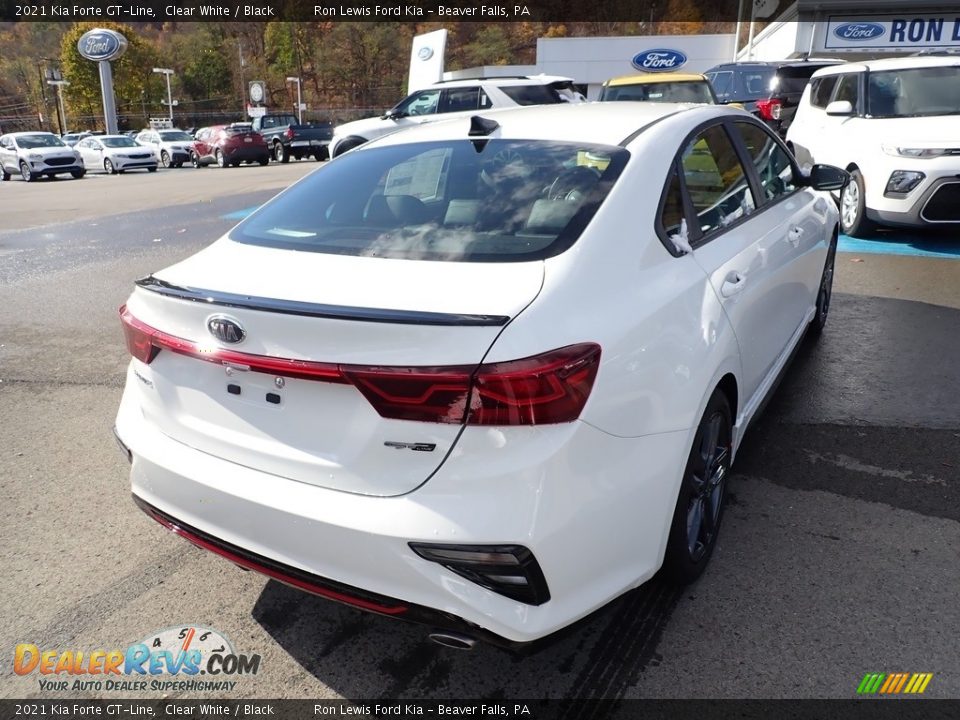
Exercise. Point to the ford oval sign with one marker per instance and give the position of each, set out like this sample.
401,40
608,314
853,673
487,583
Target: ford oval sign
101,44
225,329
858,31
659,60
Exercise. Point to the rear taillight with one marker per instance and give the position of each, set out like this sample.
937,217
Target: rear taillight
139,337
769,109
289,133
549,388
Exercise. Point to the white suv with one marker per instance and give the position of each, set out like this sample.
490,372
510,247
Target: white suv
448,99
893,124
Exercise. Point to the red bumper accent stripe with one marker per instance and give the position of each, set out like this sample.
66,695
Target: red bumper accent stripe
276,574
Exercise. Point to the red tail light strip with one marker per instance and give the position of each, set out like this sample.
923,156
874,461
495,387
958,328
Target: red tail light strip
549,388
144,342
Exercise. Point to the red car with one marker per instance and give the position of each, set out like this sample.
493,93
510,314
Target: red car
229,145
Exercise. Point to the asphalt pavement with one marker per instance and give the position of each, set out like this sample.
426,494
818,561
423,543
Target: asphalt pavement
839,552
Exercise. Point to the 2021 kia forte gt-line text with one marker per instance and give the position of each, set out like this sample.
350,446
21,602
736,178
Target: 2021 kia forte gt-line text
486,374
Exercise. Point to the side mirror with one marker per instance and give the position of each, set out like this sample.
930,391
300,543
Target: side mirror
827,177
840,107
393,114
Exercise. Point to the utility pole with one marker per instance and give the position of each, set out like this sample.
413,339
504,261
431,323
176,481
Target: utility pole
299,99
243,87
61,111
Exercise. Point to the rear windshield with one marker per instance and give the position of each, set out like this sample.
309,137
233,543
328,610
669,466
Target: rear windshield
531,94
237,129
755,84
681,92
459,200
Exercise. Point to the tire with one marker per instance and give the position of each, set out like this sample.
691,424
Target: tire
195,160
700,503
4,175
221,160
825,293
108,166
26,173
165,159
151,169
321,155
264,161
853,208
77,174
280,153
348,144
178,164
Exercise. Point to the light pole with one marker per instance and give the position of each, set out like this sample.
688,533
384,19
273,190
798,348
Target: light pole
299,100
63,112
167,72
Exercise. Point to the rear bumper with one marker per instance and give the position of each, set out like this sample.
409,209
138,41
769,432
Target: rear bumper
245,154
324,587
593,509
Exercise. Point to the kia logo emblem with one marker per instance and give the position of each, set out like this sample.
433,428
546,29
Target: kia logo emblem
226,330
659,60
425,53
859,31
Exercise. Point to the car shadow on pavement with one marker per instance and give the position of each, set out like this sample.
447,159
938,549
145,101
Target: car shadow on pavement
362,656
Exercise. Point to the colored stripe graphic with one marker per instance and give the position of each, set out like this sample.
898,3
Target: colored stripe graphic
894,683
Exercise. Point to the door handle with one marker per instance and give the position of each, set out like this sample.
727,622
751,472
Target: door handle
794,235
733,283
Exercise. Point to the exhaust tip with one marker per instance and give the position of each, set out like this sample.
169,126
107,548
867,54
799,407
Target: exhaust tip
453,640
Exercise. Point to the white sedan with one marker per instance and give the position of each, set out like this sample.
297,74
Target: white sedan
115,154
479,380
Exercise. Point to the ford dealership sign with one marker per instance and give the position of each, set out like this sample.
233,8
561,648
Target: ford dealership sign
859,31
101,44
659,60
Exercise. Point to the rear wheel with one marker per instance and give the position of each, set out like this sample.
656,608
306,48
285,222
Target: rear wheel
108,166
853,208
826,290
280,153
26,173
699,509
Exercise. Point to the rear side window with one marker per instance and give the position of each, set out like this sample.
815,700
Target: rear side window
461,99
716,180
531,94
821,89
457,200
722,82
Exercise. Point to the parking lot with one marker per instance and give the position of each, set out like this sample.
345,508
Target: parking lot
839,554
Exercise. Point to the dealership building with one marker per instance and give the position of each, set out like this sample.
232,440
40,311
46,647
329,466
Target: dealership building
847,29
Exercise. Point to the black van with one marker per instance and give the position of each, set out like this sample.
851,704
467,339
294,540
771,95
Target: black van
769,90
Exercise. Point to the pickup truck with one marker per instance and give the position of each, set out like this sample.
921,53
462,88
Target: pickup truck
287,139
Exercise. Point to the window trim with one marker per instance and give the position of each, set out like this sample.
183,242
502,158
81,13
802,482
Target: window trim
696,237
752,172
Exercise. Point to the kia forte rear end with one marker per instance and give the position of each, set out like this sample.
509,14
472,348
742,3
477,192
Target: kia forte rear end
451,377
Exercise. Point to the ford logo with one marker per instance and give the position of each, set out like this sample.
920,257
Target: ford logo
100,44
659,60
225,329
859,31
